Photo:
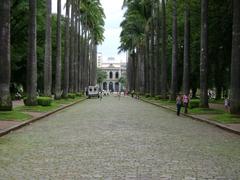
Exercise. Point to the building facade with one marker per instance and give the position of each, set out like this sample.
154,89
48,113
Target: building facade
114,72
99,59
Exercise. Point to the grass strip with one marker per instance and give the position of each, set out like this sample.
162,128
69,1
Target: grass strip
13,115
226,118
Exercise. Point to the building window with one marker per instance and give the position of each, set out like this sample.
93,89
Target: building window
110,75
116,75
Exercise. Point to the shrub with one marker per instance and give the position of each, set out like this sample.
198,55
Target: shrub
44,101
158,97
71,96
194,103
79,94
147,95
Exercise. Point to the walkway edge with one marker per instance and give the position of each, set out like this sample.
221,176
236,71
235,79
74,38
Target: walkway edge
16,127
219,125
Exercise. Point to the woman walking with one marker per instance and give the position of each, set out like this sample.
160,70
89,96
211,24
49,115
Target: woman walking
179,104
185,103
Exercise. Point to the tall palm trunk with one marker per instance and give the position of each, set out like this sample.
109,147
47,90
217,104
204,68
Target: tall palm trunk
152,62
157,56
82,43
5,66
235,66
90,62
141,69
204,55
66,53
32,56
48,52
147,64
71,64
129,72
94,64
174,53
58,59
79,57
85,74
186,51
164,54
76,55
138,68
87,59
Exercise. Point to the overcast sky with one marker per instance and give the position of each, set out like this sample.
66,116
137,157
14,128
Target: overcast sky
114,13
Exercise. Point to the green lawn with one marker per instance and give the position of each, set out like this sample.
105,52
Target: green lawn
205,111
38,108
19,115
13,115
226,118
55,104
218,101
161,102
216,114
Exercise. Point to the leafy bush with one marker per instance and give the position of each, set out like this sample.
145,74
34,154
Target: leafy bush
194,103
158,97
147,95
71,95
44,101
79,94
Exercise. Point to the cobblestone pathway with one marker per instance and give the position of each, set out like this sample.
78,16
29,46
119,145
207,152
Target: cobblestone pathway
113,139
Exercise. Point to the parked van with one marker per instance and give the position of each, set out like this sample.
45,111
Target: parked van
93,91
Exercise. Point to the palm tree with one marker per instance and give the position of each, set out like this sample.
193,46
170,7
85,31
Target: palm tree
58,77
157,54
186,50
135,39
204,55
5,69
76,49
32,56
66,53
235,65
174,53
164,54
48,53
92,24
71,62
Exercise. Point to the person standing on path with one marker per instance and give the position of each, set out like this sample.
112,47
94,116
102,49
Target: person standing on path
185,103
226,104
132,93
179,104
100,95
119,95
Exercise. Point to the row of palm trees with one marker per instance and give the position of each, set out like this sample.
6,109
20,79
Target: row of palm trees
83,30
144,37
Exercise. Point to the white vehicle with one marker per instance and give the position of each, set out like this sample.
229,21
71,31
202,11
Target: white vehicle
93,91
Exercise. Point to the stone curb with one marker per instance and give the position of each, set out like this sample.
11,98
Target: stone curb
219,125
13,128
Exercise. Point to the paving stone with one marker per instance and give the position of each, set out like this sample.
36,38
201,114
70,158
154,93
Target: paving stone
118,140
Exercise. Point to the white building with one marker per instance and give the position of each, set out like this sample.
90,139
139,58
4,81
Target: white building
114,72
99,59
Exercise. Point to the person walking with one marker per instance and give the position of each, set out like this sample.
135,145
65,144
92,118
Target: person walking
100,95
185,103
226,104
119,95
179,104
132,93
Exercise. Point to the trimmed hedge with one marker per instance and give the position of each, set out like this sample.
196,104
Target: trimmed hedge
79,94
44,101
71,95
147,95
158,97
194,103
